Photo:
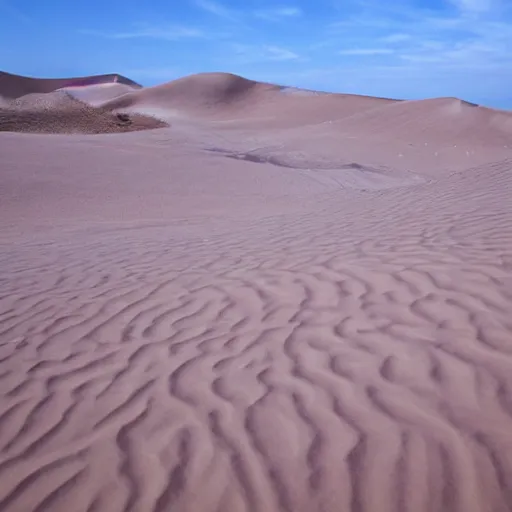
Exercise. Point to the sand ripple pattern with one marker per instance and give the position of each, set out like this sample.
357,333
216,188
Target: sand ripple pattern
292,365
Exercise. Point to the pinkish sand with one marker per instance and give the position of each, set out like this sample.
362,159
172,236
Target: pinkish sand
285,301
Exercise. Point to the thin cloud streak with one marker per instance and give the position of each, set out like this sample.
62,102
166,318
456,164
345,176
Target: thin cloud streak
277,53
366,51
169,33
278,13
474,6
396,38
217,9
249,54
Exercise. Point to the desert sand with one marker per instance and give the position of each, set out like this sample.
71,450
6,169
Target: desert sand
281,301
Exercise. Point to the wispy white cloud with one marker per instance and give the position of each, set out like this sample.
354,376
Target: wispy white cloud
217,9
167,33
467,54
476,34
277,53
278,13
366,51
474,6
448,45
247,53
395,38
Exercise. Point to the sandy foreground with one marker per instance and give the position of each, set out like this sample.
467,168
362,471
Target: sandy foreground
282,302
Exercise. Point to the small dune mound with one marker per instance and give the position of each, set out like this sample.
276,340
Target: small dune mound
58,112
40,102
67,105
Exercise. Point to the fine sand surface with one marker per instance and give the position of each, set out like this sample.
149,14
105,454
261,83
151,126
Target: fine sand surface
284,301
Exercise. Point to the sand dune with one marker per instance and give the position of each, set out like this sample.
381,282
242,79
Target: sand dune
225,97
14,86
430,136
437,121
219,91
72,109
282,302
443,132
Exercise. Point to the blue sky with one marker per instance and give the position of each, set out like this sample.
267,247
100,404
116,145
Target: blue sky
395,48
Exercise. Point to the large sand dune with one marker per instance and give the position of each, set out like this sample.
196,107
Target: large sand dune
283,302
224,97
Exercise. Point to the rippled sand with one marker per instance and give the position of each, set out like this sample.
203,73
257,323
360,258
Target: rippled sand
325,326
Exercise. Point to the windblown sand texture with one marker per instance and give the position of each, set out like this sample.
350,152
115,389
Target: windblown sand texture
285,301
